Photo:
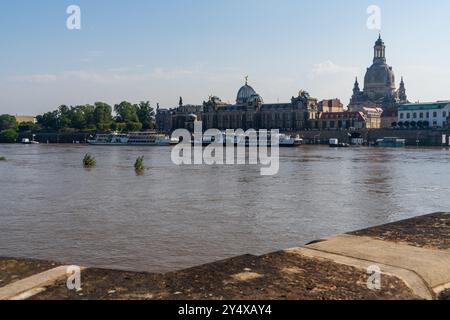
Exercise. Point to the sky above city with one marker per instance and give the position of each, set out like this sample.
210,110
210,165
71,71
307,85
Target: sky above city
158,50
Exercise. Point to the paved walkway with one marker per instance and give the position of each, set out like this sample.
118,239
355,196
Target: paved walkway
412,255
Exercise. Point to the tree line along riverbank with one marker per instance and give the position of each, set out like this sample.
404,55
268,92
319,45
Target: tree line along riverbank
79,121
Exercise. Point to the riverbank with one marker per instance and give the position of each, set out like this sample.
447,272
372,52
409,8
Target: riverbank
413,257
424,137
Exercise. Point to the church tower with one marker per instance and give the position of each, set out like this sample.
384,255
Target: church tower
379,51
402,92
356,89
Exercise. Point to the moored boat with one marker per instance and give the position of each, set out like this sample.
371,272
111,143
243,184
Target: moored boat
28,141
391,142
334,143
238,139
133,139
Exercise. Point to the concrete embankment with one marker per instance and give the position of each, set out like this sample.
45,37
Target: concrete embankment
423,138
412,256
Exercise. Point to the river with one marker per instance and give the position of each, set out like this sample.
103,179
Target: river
174,217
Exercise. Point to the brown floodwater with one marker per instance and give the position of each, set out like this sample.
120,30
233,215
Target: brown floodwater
174,217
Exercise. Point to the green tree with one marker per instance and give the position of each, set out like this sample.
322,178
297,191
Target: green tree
8,136
64,117
8,122
127,114
146,115
49,120
133,126
27,126
103,116
77,117
89,115
118,126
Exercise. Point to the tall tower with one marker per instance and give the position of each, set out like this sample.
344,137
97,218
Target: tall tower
379,51
402,92
356,89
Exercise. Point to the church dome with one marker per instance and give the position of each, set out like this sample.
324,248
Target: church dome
244,94
379,81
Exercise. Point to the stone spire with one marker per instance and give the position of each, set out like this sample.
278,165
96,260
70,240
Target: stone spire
356,88
402,92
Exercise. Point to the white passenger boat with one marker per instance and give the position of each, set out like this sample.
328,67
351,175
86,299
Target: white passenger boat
133,139
236,139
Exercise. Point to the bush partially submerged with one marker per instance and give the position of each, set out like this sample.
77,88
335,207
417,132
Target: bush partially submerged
89,161
139,165
2,158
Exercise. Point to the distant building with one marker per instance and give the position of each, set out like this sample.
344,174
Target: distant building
22,119
346,120
380,90
331,105
249,112
433,114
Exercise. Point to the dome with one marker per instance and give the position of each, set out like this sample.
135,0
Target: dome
244,94
379,81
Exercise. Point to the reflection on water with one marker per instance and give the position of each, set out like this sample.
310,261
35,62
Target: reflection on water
175,217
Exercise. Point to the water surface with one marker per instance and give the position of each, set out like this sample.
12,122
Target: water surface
176,217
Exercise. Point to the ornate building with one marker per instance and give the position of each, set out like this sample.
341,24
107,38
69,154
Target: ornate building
249,112
380,92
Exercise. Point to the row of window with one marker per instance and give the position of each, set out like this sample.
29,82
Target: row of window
421,115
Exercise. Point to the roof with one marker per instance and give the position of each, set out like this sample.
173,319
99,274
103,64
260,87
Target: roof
424,106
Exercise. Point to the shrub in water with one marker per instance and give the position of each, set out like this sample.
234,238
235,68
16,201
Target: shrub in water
2,158
139,165
89,161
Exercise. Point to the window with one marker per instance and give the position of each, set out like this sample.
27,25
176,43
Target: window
402,116
428,114
444,114
421,115
408,115
435,114
415,115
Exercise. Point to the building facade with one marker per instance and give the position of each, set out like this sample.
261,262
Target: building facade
435,114
331,105
379,90
346,120
249,112
24,119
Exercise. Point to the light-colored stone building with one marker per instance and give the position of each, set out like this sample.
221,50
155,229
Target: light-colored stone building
249,112
433,114
379,90
23,119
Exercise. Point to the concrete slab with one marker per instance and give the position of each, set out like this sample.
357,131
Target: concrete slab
14,269
432,265
410,278
26,287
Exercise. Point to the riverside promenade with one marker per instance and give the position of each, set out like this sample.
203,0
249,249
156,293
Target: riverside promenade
413,257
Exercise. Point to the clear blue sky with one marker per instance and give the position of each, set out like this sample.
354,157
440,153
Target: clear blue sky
159,50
